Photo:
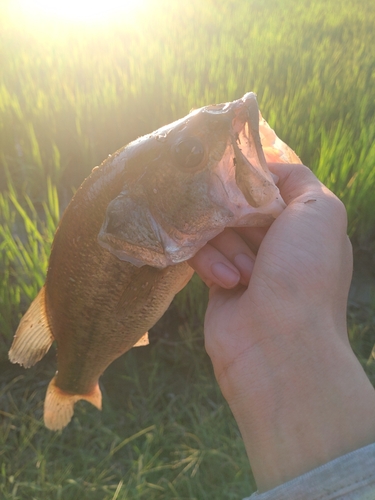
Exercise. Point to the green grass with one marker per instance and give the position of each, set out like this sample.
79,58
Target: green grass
25,243
165,432
68,98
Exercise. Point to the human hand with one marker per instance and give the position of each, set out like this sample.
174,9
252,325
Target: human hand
277,335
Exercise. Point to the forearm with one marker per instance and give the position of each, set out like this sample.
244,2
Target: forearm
278,344
314,404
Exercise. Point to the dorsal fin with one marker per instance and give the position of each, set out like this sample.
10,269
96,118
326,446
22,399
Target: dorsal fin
33,337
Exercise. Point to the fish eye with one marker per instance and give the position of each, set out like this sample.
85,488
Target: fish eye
189,152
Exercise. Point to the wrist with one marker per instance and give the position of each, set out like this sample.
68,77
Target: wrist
311,402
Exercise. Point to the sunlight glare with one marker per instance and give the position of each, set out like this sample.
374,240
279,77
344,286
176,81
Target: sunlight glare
80,11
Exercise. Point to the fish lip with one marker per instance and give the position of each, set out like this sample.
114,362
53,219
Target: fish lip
246,112
245,127
249,100
240,162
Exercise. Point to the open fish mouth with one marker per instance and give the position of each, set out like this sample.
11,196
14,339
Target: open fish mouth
250,189
248,165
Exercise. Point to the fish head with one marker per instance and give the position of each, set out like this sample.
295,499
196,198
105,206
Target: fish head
189,180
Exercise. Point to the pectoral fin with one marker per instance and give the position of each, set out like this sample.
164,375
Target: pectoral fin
33,337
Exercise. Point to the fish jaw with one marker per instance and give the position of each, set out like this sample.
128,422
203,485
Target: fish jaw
243,181
266,201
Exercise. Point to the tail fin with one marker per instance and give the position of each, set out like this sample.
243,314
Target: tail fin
59,405
33,337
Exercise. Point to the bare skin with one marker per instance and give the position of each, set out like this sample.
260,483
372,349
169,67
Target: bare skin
276,333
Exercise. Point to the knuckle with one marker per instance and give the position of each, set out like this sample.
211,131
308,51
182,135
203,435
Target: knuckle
338,206
338,211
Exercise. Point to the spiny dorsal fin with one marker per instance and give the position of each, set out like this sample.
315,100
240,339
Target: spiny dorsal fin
142,341
33,337
59,405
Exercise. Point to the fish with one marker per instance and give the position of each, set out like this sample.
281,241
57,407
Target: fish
120,251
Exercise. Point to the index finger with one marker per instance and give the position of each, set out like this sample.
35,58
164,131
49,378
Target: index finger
294,180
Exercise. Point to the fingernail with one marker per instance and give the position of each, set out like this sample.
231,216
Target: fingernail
227,276
244,264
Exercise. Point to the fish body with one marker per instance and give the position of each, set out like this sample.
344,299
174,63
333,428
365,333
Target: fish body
119,254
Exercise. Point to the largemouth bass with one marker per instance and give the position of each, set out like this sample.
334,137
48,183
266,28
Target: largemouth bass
119,254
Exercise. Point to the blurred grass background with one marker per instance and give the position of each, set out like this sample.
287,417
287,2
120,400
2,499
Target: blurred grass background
69,96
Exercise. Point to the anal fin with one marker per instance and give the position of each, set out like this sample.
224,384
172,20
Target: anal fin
33,337
142,341
59,405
